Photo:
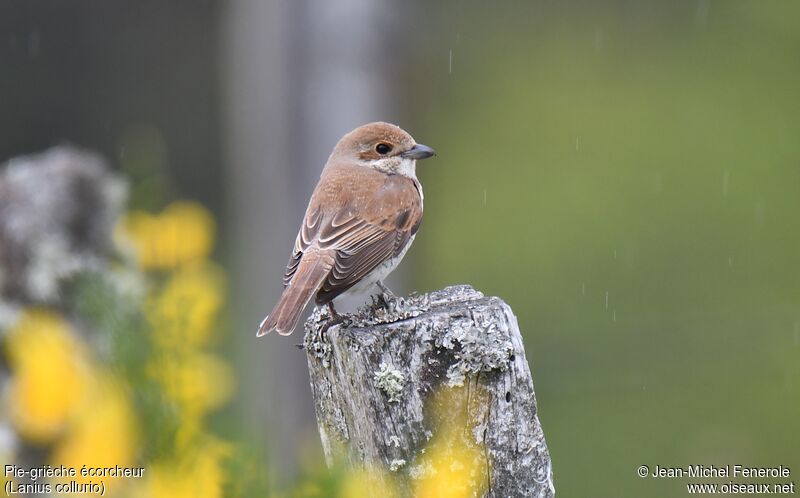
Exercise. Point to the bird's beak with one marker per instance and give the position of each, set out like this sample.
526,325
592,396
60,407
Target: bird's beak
418,151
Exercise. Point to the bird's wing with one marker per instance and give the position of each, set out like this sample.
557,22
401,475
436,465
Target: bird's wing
306,235
362,235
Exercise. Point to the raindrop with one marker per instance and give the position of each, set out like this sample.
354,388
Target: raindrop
606,299
614,316
583,288
759,212
577,143
450,62
598,38
701,14
797,333
730,260
33,42
484,196
657,182
725,177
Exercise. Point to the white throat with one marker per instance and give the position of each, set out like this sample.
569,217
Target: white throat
396,166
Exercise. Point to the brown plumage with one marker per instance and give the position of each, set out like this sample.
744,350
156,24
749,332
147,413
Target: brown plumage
360,220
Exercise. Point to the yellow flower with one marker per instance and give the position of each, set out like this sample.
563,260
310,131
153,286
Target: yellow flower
453,466
184,311
366,484
103,433
49,374
182,233
453,469
199,474
197,382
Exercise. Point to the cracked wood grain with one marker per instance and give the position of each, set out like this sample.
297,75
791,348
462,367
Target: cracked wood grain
390,384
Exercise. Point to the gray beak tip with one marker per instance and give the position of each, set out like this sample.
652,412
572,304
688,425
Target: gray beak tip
419,151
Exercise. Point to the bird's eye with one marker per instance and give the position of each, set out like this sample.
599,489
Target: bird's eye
383,148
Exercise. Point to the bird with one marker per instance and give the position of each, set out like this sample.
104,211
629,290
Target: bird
361,219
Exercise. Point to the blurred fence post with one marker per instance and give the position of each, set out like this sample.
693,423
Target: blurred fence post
298,75
389,384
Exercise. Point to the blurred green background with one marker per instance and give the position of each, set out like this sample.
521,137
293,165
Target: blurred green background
628,179
626,175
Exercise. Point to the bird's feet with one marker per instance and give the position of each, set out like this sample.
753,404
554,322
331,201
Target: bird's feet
387,298
334,319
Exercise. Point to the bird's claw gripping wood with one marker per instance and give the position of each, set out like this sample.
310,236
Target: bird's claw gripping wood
387,298
334,319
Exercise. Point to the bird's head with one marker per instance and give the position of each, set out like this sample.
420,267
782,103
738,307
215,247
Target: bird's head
382,146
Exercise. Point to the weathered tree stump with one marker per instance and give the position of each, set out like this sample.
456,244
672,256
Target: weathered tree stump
437,386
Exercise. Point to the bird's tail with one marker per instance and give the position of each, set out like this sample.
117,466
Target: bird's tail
310,273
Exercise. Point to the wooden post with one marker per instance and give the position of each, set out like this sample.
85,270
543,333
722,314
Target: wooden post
435,385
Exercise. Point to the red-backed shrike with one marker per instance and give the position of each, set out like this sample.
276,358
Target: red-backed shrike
360,221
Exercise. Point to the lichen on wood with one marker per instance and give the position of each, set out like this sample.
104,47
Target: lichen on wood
431,387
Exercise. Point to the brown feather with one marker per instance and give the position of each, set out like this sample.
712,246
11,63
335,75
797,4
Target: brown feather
368,227
311,271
